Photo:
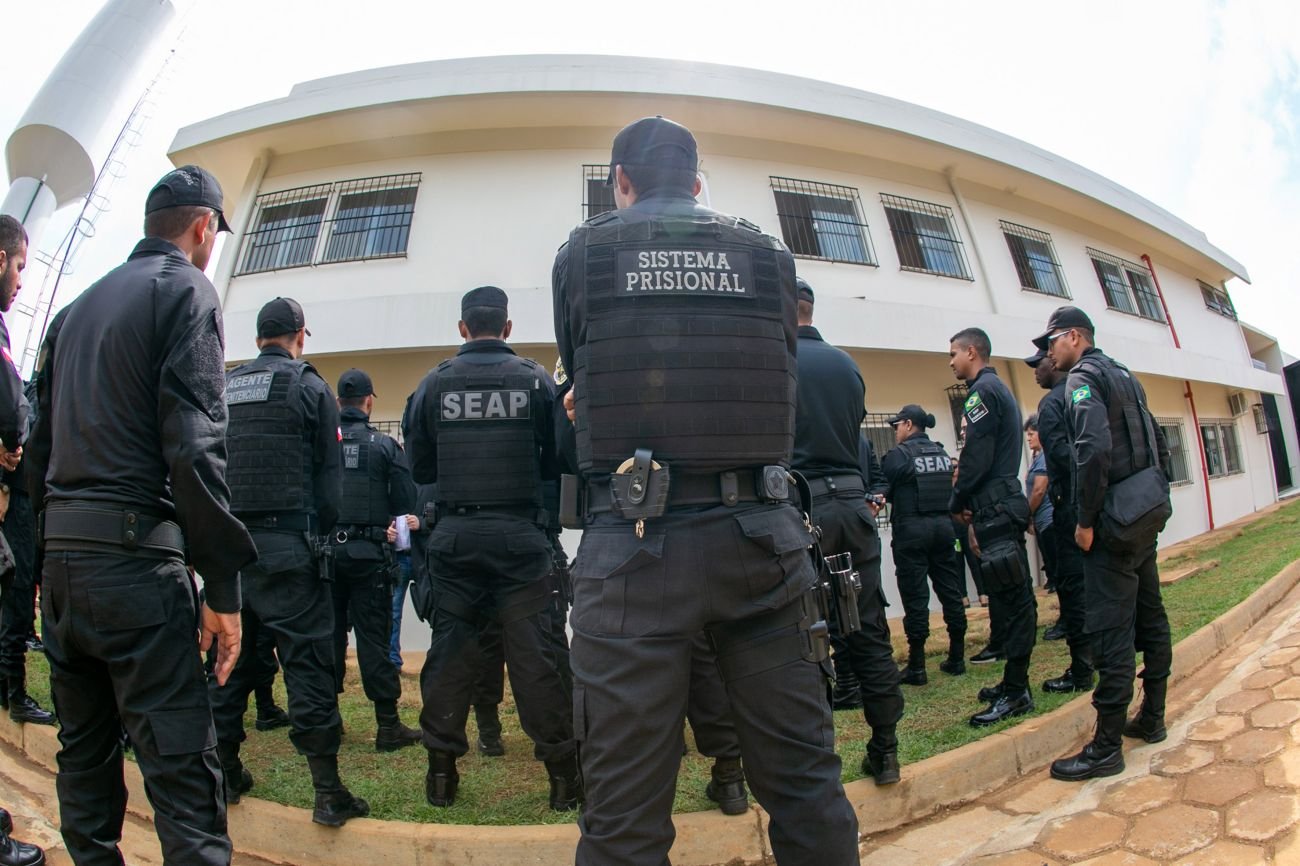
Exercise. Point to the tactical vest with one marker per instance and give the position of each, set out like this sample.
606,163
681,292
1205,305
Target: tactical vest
930,487
270,453
365,477
1132,436
690,342
487,447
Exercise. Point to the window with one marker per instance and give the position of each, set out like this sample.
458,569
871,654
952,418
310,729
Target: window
822,221
1172,429
925,237
1127,286
1035,260
881,436
1222,451
371,218
1217,300
957,407
597,198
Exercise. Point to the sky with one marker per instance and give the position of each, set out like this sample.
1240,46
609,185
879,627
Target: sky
1193,104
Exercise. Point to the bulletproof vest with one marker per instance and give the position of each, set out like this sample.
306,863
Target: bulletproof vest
487,447
365,477
270,455
931,484
1131,435
690,342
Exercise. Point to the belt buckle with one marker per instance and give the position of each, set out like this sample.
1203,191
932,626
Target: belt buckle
130,530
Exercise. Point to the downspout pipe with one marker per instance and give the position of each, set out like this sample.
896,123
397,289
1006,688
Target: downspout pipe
1205,470
1146,259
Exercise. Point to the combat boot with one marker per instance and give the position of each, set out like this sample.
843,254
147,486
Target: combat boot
566,783
269,716
881,760
847,694
913,673
1008,704
334,804
955,664
442,780
238,781
1104,756
489,730
391,734
22,708
727,787
15,853
1149,723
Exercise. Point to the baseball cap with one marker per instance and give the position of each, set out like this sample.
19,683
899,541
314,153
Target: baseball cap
1063,318
1037,358
355,383
655,141
281,316
805,290
189,185
484,296
911,412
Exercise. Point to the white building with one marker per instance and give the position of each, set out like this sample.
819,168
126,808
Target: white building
378,198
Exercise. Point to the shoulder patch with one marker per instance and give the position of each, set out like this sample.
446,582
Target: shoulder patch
1081,394
973,400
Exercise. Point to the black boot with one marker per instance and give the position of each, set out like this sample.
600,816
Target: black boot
1104,756
1009,703
269,716
989,694
4,693
238,780
21,706
442,780
566,783
1149,723
489,730
848,691
1067,682
913,673
6,821
727,787
1055,631
391,734
334,802
988,655
881,760
15,853
955,664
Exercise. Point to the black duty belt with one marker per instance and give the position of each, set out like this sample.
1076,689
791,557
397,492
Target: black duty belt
376,534
286,522
828,484
722,488
75,525
995,491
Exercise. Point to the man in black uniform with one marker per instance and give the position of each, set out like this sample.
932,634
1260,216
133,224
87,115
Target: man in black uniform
988,496
1121,502
678,326
1054,437
919,472
138,359
17,587
377,486
827,436
284,486
481,425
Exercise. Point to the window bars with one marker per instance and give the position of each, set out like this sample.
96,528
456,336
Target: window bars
926,237
1035,260
822,221
1172,429
1217,299
597,198
1127,286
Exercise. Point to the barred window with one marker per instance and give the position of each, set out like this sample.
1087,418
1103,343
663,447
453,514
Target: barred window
1222,450
881,436
822,221
597,198
373,218
287,226
1172,429
1035,260
926,237
1217,300
1127,286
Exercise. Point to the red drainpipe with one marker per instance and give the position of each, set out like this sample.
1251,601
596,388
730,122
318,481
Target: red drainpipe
1205,471
1168,318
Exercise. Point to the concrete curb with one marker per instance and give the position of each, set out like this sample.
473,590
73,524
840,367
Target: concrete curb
281,834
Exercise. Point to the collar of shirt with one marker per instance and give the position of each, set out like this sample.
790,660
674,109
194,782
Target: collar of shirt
970,383
811,333
157,247
351,413
484,345
274,349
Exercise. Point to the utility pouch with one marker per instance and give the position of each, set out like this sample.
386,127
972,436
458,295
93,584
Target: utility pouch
639,489
846,585
570,502
1001,564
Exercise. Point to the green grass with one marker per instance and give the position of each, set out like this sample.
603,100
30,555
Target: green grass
513,789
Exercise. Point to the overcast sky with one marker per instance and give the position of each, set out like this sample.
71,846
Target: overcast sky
1193,104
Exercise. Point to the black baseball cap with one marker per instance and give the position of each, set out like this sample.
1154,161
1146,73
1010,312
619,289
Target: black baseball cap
911,412
189,185
655,141
355,383
484,296
1037,358
1062,319
805,290
281,316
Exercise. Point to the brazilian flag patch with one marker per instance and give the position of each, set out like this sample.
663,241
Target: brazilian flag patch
972,401
1081,394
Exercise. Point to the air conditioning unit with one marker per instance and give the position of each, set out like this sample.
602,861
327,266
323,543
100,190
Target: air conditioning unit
1237,403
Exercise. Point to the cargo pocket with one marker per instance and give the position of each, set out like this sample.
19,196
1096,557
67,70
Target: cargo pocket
775,556
181,736
618,584
127,607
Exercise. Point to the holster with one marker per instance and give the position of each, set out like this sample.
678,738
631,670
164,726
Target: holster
323,551
641,492
846,585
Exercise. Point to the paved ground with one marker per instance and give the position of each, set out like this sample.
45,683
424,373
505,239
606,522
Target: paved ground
1223,790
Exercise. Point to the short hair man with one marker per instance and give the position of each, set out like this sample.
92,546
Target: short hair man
136,361
1119,455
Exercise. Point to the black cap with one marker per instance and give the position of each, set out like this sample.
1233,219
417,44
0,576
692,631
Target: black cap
484,296
911,412
281,316
189,185
355,383
805,290
654,141
1037,358
1063,318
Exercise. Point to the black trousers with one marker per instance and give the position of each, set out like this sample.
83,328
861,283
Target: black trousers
639,604
286,604
1125,612
707,709
493,565
925,545
1013,609
490,687
1070,592
363,603
120,635
18,596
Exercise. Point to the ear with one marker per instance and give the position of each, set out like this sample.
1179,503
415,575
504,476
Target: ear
622,181
464,331
200,227
505,335
699,185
